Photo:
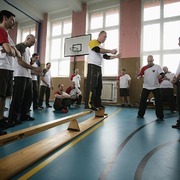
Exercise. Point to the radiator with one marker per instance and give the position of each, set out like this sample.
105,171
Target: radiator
109,91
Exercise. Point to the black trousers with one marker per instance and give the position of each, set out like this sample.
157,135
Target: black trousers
93,86
60,104
168,95
44,90
158,102
35,94
21,98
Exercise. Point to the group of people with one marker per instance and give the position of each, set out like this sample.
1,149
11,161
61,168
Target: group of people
166,85
161,84
19,74
155,80
14,64
65,99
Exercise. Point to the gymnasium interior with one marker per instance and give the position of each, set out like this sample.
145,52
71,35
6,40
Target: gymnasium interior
82,144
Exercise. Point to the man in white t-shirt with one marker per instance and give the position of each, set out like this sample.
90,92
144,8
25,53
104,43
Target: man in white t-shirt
7,53
34,78
151,73
76,78
22,89
177,125
94,76
167,88
46,85
124,81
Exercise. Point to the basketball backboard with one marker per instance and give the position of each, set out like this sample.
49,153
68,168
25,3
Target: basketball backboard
77,46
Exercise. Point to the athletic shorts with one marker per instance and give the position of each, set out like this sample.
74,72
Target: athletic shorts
6,83
124,92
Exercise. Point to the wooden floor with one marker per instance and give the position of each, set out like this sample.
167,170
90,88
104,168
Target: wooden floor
121,147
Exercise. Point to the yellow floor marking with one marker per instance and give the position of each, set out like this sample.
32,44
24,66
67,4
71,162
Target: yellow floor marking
54,156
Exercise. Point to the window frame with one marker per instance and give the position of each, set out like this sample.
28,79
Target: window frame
62,36
161,21
108,28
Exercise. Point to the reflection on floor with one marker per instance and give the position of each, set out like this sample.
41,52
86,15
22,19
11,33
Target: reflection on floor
121,147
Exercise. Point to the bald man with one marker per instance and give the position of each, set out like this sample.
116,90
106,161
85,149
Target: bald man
22,92
94,76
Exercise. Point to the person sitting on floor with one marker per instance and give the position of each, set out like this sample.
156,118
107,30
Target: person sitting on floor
62,100
75,94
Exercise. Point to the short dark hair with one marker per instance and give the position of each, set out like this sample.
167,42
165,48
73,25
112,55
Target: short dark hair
48,63
35,54
102,32
6,13
123,69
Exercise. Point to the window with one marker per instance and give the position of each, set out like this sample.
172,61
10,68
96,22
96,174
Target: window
60,29
160,28
148,41
107,20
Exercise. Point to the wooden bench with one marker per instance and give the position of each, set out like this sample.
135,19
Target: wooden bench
14,136
18,161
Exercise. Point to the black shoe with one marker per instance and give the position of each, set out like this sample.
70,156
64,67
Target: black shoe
15,122
3,133
101,106
94,108
129,105
159,119
140,117
40,108
28,118
122,105
177,126
5,124
48,106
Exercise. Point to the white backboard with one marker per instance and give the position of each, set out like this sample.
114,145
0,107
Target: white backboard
76,46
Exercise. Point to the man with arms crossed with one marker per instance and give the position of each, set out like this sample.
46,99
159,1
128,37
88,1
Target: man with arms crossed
7,54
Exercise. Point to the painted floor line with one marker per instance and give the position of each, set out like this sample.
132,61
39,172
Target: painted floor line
57,154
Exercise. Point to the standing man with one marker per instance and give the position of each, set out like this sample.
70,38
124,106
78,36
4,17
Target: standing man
177,125
152,73
34,77
76,78
124,81
7,53
46,85
167,88
22,90
94,75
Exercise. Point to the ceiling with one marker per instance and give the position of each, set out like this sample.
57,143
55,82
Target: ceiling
36,8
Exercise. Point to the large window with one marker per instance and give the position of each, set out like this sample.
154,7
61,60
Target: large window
107,20
60,29
160,28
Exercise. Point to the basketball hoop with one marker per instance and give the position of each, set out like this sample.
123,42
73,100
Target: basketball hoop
74,49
